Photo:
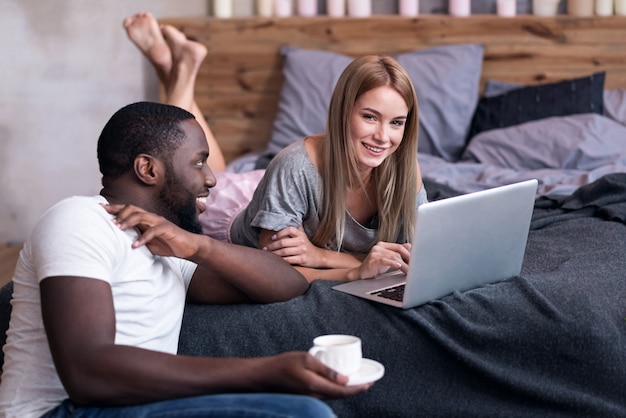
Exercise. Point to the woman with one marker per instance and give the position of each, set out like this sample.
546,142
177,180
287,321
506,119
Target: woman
341,205
365,165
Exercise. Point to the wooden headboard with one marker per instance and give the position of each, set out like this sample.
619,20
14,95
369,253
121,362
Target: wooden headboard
239,83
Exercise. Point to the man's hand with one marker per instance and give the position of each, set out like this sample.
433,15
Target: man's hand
159,235
299,372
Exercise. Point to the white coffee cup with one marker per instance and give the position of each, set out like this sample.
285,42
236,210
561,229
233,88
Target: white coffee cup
341,353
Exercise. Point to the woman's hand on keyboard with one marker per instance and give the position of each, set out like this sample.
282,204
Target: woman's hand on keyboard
382,257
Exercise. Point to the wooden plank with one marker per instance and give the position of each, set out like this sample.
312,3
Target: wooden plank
393,33
241,79
238,86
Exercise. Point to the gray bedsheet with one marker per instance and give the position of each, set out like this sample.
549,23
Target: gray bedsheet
551,342
563,153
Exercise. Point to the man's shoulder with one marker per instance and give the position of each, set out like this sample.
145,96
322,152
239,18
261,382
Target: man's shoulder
73,212
81,200
76,237
76,203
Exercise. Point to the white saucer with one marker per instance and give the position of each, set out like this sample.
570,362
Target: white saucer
370,371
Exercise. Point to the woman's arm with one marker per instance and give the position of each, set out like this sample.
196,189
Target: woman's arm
320,264
294,246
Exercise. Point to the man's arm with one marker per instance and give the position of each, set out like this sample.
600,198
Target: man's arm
226,273
230,273
79,318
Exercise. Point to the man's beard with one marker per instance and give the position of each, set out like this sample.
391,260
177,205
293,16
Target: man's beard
178,206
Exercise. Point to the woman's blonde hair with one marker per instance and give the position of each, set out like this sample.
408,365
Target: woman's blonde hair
395,179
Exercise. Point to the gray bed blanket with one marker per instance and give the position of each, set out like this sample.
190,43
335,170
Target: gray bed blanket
551,342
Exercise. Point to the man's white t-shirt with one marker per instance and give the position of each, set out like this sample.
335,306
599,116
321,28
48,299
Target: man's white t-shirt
77,237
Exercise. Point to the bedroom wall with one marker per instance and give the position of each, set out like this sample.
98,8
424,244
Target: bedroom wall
66,67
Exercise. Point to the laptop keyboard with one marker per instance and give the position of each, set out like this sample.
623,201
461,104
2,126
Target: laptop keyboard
393,293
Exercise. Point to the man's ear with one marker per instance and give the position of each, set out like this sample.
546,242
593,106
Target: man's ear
148,169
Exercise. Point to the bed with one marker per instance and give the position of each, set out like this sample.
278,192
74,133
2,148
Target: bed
501,100
266,83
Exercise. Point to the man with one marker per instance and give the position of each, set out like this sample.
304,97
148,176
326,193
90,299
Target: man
100,288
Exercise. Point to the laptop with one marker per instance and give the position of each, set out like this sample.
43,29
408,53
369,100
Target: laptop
459,243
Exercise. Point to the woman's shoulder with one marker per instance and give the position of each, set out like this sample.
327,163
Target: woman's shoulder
292,166
294,149
313,145
293,157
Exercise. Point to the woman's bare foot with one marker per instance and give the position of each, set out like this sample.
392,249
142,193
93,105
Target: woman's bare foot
144,31
187,56
183,51
186,59
176,61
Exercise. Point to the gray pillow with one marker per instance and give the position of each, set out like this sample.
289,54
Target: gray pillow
497,87
446,80
582,142
309,79
447,83
615,105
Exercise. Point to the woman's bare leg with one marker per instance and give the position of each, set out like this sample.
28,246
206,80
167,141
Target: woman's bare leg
176,61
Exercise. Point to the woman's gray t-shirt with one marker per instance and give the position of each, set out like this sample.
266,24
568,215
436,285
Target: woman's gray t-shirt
289,195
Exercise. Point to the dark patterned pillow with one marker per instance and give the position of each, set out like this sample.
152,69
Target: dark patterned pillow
525,104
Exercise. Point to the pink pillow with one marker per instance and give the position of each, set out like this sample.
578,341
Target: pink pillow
227,199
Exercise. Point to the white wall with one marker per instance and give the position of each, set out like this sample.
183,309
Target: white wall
66,66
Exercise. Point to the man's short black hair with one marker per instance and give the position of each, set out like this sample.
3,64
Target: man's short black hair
139,128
